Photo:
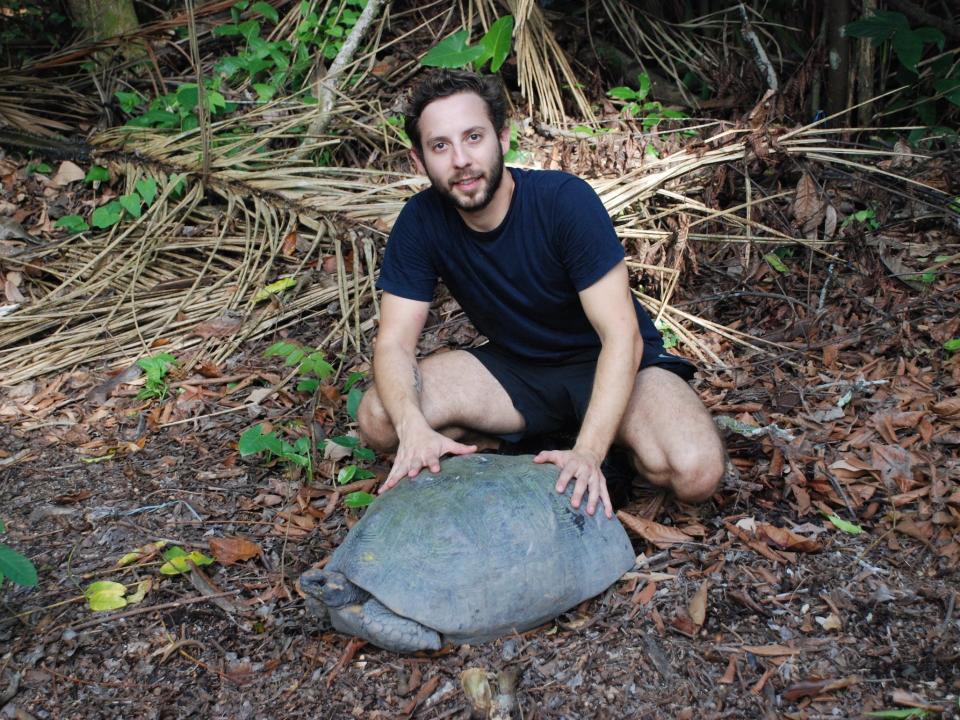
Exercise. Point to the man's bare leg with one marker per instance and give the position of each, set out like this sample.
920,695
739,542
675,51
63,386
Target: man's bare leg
459,398
672,440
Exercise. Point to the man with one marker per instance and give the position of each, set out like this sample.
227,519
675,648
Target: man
533,260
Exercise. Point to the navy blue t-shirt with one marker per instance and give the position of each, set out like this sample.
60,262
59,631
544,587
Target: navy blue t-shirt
518,284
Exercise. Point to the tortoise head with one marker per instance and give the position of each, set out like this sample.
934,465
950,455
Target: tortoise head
331,588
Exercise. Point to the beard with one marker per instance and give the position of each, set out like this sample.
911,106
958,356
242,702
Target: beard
490,179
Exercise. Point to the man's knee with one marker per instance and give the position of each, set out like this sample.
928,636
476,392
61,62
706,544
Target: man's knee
376,428
697,473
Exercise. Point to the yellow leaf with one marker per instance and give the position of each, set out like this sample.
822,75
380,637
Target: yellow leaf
143,587
105,595
274,288
144,552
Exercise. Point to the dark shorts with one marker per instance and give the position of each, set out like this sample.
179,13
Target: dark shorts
554,398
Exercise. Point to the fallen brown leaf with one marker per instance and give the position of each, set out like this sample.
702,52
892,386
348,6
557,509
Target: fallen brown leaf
230,550
662,536
697,607
787,539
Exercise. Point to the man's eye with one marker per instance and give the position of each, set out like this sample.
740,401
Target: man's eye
474,136
439,146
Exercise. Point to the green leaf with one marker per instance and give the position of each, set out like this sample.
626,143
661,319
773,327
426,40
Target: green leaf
931,35
776,263
346,441
496,42
275,288
128,100
364,454
281,348
952,345
105,595
177,558
358,499
644,90
353,401
267,10
908,46
453,52
346,474
16,567
39,167
215,101
352,379
843,525
622,92
147,187
254,440
131,203
225,30
264,92
308,385
316,365
72,223
97,173
877,27
894,714
107,215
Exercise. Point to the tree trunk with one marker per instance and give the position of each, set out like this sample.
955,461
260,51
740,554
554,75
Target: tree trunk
104,18
865,71
838,60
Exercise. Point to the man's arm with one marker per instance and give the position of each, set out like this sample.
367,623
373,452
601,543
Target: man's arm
399,384
609,307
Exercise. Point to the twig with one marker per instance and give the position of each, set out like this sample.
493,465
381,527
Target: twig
150,608
760,55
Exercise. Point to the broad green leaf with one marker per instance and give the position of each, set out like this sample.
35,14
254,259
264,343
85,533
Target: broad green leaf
156,366
315,364
776,263
308,385
97,173
215,101
147,187
909,48
128,100
364,474
877,27
844,525
453,52
39,167
264,92
346,441
353,401
188,96
225,30
644,90
365,454
952,345
274,288
267,10
295,357
352,379
107,215
105,595
346,474
16,567
72,223
131,203
358,499
281,348
496,42
622,92
177,561
931,35
254,440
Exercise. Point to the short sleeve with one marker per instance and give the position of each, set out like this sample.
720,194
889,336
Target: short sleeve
407,270
588,245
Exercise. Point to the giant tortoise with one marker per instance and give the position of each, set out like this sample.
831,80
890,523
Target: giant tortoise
483,548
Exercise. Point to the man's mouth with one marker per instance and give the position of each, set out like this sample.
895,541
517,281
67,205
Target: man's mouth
468,183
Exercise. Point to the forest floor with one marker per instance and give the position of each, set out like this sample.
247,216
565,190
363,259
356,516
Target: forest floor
753,605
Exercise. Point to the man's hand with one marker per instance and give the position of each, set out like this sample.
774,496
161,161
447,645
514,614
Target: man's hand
585,468
422,449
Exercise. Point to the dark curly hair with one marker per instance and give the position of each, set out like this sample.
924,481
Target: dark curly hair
444,83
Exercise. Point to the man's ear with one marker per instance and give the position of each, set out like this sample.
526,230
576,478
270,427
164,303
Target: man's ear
417,162
505,139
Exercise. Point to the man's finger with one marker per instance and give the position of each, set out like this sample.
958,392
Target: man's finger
605,496
455,448
566,475
578,491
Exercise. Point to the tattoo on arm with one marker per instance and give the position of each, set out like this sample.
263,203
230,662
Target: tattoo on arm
417,379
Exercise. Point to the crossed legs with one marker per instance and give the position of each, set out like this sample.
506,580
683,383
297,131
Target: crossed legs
669,434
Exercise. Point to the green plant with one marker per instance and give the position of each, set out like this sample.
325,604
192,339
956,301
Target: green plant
670,337
310,362
456,52
258,439
651,112
14,566
39,167
156,368
178,110
952,345
72,223
939,80
130,204
868,218
352,472
97,174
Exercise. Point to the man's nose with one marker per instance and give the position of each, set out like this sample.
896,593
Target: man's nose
460,157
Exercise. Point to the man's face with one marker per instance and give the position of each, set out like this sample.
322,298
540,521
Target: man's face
462,155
